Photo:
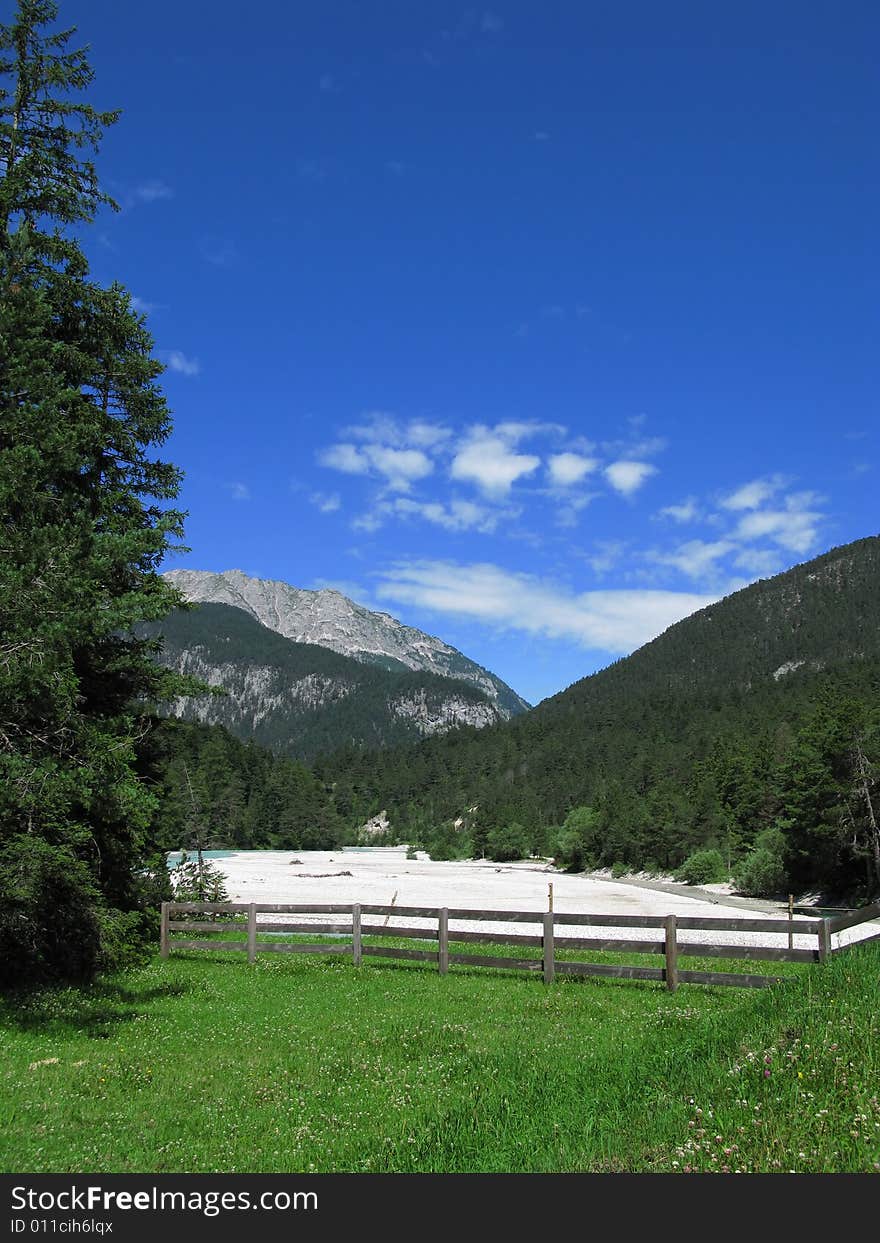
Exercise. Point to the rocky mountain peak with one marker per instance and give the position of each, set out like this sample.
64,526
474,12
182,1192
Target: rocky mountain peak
329,619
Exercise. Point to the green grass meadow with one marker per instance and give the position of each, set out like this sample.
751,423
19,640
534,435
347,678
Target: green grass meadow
297,1063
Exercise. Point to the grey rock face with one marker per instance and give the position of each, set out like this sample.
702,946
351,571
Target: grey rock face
331,620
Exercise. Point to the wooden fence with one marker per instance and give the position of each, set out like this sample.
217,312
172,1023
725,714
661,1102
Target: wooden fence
664,942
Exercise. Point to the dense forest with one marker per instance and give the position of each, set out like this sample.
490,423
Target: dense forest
216,791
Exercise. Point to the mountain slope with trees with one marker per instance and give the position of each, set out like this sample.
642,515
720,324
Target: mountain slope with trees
757,714
300,699
329,619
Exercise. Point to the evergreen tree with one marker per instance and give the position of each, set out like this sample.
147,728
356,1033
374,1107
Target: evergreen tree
86,521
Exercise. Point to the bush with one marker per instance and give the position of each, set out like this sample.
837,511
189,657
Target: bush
508,843
619,868
575,846
762,872
703,867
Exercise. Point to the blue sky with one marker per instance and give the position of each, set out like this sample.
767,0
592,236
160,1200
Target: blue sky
535,325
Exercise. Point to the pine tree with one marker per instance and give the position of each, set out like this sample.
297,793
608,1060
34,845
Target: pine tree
86,521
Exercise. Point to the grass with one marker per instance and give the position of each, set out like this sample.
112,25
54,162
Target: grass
204,1063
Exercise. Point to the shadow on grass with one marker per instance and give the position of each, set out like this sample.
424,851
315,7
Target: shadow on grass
93,1011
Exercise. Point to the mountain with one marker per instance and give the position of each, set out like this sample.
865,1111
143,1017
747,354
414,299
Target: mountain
747,715
300,699
331,620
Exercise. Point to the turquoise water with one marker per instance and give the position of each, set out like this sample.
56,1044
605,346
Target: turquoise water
174,855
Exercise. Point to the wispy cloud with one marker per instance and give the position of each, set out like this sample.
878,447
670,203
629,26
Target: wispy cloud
611,621
177,361
147,192
326,502
687,511
795,526
142,306
239,491
695,558
754,494
455,515
220,252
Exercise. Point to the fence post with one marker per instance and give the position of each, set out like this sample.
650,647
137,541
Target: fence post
824,940
671,954
443,940
164,940
549,961
252,932
356,933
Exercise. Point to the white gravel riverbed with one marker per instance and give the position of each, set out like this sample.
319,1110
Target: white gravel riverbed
382,875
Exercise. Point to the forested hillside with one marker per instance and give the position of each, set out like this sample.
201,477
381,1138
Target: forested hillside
758,713
301,699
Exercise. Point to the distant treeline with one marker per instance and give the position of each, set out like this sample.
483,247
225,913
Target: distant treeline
220,791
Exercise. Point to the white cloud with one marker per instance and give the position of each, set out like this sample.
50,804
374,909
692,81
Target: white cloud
566,469
762,561
687,511
611,621
239,491
400,467
795,527
178,361
326,502
626,476
696,558
381,428
753,495
486,457
345,457
458,515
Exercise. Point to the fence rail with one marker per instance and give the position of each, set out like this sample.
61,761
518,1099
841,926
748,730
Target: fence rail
667,946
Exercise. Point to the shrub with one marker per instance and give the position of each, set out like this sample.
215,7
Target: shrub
575,846
703,867
619,868
508,843
762,872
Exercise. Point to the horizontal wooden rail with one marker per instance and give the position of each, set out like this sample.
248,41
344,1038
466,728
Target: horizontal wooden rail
484,960
840,922
210,945
389,951
620,971
294,947
728,977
